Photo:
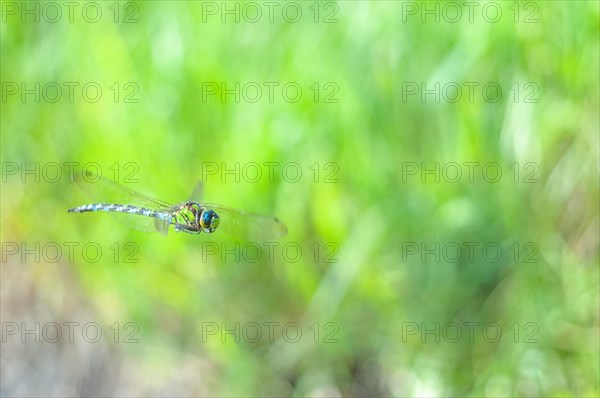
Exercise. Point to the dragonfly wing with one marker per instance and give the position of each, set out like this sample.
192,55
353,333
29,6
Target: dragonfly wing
141,223
103,190
161,226
198,192
248,226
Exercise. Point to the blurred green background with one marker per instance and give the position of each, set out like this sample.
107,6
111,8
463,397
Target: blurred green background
376,316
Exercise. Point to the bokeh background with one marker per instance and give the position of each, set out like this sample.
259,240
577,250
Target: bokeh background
376,317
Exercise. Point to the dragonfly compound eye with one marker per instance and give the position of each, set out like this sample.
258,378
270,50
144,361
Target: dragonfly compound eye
209,220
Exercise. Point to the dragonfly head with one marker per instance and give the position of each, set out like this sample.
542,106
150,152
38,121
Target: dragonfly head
209,221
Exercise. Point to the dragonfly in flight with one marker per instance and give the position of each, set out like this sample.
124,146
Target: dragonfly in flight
144,213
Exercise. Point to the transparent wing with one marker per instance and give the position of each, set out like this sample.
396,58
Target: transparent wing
102,190
248,226
197,193
141,223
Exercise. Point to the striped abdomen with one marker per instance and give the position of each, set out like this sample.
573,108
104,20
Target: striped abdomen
119,209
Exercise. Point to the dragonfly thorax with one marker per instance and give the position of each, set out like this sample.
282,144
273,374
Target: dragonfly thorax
190,217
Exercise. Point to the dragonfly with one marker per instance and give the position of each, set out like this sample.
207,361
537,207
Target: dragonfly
145,213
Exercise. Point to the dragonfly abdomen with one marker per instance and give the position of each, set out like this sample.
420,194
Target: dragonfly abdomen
119,209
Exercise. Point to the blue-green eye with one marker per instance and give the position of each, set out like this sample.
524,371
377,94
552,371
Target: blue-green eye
209,221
